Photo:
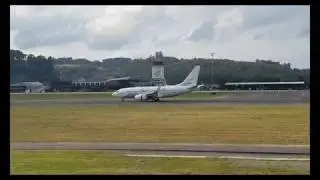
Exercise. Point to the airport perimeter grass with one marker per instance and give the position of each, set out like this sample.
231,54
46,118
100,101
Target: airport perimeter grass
85,162
255,124
106,95
44,96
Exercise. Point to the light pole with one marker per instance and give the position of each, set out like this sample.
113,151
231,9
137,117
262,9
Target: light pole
212,54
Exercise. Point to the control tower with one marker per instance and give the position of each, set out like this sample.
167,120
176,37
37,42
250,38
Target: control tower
158,69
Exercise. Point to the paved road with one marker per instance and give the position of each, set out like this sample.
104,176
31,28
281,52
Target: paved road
160,147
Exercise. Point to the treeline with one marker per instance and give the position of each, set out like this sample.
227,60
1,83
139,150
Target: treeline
27,67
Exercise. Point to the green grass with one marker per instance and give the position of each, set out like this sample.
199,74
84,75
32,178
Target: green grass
106,95
77,162
282,124
60,96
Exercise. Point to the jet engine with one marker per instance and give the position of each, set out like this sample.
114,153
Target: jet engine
140,97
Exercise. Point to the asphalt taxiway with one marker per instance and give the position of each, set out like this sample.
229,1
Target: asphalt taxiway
167,148
213,101
290,97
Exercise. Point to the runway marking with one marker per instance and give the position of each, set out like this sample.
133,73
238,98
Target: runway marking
220,157
264,158
156,155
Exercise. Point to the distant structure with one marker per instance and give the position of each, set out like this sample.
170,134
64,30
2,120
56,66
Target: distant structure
158,69
92,86
28,87
265,85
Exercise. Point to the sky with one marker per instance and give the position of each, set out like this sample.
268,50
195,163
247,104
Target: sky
246,33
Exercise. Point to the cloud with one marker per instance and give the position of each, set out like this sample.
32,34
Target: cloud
281,33
204,32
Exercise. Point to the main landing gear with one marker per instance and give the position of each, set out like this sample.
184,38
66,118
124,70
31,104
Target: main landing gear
153,99
156,100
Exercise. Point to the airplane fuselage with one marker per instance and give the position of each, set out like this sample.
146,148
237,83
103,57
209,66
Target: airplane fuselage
156,92
164,92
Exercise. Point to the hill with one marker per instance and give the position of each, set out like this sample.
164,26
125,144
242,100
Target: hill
27,67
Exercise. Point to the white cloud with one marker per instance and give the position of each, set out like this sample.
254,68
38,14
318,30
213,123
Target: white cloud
280,33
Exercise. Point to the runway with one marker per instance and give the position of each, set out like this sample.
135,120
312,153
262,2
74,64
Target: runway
234,98
167,148
213,91
217,101
276,156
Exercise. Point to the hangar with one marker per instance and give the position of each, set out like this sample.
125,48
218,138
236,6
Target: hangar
110,84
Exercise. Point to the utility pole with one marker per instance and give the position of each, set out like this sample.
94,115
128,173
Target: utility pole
212,54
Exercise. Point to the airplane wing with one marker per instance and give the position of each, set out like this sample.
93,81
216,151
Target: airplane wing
149,94
155,93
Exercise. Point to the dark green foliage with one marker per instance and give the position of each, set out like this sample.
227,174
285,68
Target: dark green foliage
39,68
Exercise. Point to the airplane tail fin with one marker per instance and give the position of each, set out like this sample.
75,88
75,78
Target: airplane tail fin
192,78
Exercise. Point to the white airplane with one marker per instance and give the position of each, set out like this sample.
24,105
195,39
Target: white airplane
154,93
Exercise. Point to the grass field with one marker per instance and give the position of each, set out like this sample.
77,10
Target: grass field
274,124
106,95
75,162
